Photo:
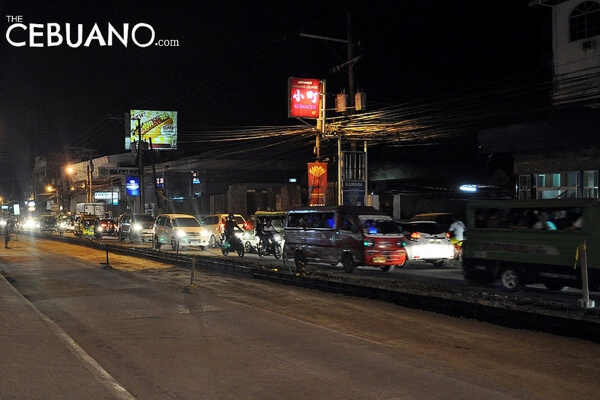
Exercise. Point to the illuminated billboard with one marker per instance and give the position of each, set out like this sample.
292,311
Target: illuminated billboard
158,127
304,98
132,185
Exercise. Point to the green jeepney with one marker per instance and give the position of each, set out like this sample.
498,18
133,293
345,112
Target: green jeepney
532,241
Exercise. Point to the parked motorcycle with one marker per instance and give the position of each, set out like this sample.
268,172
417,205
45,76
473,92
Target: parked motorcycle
235,244
272,246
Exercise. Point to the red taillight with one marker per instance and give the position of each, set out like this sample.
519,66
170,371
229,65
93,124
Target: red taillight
415,236
221,226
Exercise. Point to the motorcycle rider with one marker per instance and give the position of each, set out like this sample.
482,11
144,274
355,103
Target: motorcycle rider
230,227
268,231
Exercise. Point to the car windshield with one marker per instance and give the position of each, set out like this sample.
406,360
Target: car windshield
185,222
145,218
431,228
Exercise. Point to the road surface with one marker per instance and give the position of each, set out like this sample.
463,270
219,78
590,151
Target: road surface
240,338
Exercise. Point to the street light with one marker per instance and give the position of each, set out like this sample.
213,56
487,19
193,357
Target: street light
54,192
70,170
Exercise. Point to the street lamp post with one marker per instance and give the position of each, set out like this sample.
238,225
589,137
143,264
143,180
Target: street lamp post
70,170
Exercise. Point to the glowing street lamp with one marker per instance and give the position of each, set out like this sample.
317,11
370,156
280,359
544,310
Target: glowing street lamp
70,170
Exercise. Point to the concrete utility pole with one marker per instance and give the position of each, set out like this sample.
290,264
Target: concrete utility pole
141,166
90,192
351,59
350,63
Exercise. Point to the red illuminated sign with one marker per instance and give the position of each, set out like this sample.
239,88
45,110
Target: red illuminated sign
304,98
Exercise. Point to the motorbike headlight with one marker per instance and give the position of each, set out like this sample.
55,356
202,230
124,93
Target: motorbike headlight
277,237
239,235
181,234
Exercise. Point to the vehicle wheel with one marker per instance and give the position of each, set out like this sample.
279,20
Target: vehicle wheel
248,247
389,268
438,263
156,244
277,251
212,241
174,244
300,261
224,250
259,249
120,236
348,263
511,280
98,235
240,250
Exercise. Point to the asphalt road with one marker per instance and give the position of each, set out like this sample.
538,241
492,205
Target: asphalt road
238,338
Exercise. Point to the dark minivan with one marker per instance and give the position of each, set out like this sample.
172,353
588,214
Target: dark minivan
352,235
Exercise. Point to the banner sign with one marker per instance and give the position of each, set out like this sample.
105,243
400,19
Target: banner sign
304,98
317,183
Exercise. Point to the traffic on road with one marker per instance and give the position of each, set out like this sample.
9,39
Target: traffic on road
450,273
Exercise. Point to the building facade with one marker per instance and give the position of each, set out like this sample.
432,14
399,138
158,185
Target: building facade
558,156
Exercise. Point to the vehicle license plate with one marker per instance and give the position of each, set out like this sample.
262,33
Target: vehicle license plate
379,259
195,243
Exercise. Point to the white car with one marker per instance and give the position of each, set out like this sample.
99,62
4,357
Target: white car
427,241
215,223
179,231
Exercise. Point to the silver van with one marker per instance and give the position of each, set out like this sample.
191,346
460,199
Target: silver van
178,230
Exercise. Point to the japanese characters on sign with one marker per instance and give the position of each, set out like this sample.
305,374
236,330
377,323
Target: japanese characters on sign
304,98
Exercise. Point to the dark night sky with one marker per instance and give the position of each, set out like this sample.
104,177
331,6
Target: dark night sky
234,58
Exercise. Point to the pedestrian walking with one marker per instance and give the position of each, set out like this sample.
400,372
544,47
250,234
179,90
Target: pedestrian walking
6,231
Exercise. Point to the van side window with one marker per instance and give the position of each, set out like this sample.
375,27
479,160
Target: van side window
328,220
348,223
529,218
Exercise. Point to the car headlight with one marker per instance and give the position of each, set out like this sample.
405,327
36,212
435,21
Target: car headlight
137,227
204,233
181,234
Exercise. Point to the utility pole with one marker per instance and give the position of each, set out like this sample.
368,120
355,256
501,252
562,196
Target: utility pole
141,166
90,171
350,63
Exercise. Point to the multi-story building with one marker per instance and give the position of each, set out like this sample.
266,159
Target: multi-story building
558,156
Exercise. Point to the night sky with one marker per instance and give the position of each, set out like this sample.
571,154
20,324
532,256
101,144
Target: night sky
233,58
